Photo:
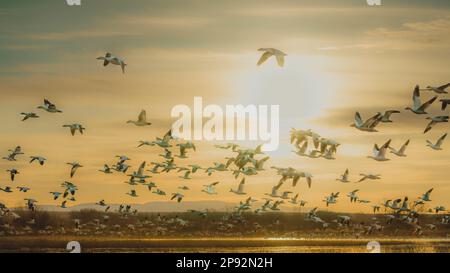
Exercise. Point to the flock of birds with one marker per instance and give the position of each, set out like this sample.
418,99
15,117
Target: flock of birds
243,163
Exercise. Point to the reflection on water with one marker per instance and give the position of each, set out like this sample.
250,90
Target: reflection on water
217,245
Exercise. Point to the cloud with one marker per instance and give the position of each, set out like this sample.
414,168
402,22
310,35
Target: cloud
408,36
163,22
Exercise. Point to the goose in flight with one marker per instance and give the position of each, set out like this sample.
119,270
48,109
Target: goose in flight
444,103
28,115
285,195
376,208
379,154
437,209
435,120
13,173
109,58
6,189
274,192
142,143
240,190
401,151
419,107
150,185
159,192
142,119
101,203
438,89
40,159
56,195
344,177
368,125
132,193
177,196
276,204
369,176
352,195
438,144
387,114
269,52
105,169
63,204
75,127
140,173
23,189
49,107
331,199
209,189
75,166
294,199
184,188
426,196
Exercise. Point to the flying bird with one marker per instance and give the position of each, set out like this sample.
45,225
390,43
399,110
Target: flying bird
75,127
109,58
418,107
387,114
435,120
75,166
142,119
28,115
438,89
49,107
437,145
368,125
269,52
401,151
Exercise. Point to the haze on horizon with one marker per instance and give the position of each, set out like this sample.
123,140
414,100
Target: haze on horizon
343,56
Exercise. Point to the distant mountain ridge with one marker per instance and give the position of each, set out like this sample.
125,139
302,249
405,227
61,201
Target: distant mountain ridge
165,206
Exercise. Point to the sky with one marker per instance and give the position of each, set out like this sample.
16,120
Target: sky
342,57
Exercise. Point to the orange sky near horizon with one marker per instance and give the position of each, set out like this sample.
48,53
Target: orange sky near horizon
342,57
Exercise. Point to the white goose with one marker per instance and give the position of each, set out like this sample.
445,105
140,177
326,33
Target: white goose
437,145
419,107
177,196
439,89
387,114
274,192
368,125
401,151
142,119
75,127
240,190
40,159
426,196
28,115
369,176
209,189
109,58
106,169
75,166
344,177
352,195
379,154
269,52
435,120
49,107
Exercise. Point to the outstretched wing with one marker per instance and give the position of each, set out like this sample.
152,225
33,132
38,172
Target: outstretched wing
142,116
264,57
280,60
428,103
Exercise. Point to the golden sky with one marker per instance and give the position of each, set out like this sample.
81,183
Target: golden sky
343,56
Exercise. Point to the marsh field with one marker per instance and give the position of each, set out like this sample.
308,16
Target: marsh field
97,231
